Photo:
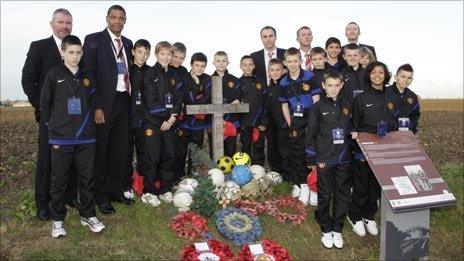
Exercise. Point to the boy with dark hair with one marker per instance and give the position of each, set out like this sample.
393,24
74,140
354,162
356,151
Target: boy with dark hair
67,103
253,92
230,94
318,60
178,56
140,53
297,97
162,106
334,59
277,130
198,91
405,102
353,73
327,147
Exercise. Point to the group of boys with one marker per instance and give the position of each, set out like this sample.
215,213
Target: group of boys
310,112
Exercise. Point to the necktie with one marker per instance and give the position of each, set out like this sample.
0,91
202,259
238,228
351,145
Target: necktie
120,57
268,60
307,62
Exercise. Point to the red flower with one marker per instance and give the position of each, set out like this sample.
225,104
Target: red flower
189,225
252,206
299,210
222,250
272,248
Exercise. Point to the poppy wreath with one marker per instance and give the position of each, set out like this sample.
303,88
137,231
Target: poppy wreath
219,249
298,211
272,251
189,225
252,206
238,225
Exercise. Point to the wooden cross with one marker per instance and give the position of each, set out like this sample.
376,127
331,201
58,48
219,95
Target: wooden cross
218,109
224,201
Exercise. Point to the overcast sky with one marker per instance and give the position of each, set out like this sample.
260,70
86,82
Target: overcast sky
429,35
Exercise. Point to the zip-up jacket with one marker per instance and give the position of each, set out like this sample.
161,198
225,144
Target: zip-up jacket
325,117
230,92
338,67
60,92
137,108
354,83
197,94
405,105
253,92
273,108
157,92
298,92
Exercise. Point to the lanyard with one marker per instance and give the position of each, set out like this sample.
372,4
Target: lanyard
118,55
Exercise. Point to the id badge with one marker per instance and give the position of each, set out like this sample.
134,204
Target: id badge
121,68
382,128
138,99
74,106
357,92
403,124
338,136
298,111
168,100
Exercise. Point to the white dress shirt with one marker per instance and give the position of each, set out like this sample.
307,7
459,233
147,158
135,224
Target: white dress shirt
121,85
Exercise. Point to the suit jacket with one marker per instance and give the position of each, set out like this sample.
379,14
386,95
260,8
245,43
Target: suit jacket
260,66
99,59
42,56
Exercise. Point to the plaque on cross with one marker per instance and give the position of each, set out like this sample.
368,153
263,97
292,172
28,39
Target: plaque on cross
218,109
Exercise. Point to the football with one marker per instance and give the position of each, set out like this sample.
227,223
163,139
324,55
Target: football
230,190
257,171
226,164
216,176
274,177
241,158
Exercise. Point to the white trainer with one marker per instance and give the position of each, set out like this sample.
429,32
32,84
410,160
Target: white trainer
327,240
371,227
166,197
337,240
304,194
58,229
93,223
296,191
313,198
358,227
129,194
150,199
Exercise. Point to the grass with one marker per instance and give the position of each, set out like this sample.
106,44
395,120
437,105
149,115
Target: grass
142,232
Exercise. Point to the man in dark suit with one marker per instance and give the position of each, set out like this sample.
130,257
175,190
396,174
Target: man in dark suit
262,57
352,32
42,56
107,55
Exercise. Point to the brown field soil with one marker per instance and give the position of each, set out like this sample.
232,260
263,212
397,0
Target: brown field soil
442,105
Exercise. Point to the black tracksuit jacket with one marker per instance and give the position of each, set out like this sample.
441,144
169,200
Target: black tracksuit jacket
405,105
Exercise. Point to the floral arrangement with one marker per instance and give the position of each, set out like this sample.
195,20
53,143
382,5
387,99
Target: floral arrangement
238,225
252,206
272,251
221,250
189,225
298,210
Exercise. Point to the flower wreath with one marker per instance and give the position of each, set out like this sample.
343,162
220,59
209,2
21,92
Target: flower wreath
252,206
299,210
188,225
238,225
221,250
272,251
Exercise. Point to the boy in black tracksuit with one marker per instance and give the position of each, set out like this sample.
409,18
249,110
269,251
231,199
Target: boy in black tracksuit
230,94
327,146
318,59
253,92
277,130
198,91
405,102
333,48
297,97
370,112
162,107
353,73
140,52
67,104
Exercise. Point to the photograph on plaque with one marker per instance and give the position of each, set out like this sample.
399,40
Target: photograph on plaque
418,177
404,185
407,241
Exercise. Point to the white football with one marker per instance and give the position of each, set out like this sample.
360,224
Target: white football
182,200
217,176
257,171
187,188
230,190
189,181
273,177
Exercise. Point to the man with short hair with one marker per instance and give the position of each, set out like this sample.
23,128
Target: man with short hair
107,55
304,37
262,57
42,56
352,32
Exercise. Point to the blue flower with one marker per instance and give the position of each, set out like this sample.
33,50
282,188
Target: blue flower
238,225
